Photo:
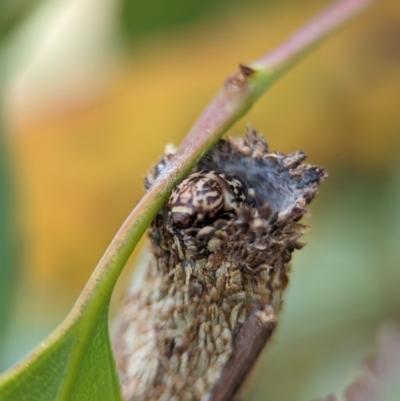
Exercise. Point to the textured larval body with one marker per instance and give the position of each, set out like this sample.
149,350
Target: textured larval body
204,279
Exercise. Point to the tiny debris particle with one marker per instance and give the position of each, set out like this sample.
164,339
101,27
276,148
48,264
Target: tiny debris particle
214,293
214,245
246,70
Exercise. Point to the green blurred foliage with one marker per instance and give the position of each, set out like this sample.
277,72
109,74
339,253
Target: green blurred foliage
139,18
8,243
12,14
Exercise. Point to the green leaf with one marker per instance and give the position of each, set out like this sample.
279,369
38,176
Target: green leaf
97,378
67,368
8,250
43,378
76,361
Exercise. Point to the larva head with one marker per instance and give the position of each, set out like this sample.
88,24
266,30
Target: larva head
204,195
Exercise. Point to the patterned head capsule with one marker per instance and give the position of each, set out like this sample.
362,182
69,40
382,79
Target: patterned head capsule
204,195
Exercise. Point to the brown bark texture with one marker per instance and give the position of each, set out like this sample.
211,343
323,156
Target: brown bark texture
205,301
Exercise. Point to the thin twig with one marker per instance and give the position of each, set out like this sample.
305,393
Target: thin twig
235,98
316,29
253,336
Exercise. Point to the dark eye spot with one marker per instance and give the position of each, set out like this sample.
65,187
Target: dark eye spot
211,199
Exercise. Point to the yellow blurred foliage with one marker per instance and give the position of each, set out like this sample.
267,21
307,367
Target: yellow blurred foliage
81,167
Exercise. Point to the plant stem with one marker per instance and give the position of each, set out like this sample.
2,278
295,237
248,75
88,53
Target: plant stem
271,66
235,98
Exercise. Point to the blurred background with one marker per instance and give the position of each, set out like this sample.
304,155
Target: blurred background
92,90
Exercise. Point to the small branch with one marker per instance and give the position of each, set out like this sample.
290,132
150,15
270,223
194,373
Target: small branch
251,340
241,90
270,67
313,32
233,100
